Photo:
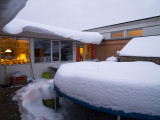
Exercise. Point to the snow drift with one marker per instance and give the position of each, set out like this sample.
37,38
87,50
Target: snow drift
132,87
30,101
18,25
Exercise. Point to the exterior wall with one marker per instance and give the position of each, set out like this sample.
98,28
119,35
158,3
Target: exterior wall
2,75
10,69
150,26
109,48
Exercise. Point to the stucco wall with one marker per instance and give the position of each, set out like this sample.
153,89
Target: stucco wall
109,48
24,69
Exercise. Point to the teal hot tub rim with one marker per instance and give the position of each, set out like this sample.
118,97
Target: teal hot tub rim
108,110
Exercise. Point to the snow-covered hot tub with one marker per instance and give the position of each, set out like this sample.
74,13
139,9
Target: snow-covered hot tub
124,88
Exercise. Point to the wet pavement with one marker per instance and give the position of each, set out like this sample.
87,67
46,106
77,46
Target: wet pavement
8,108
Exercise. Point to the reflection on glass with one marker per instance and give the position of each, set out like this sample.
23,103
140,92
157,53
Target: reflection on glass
14,50
66,51
42,50
55,50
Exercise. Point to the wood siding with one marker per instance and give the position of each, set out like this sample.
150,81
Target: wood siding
134,58
109,48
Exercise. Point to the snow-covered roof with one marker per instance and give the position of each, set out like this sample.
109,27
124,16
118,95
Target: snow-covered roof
142,46
17,26
131,87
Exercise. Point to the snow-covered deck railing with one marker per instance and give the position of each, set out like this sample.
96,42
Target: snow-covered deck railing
17,26
142,47
123,88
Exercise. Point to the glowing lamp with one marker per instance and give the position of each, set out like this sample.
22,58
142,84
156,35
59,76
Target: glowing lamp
8,50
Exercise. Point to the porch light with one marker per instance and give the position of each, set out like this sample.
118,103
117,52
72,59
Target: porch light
8,50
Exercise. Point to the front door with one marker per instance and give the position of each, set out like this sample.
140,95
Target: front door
79,52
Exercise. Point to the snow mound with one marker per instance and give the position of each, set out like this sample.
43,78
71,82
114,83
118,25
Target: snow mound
18,25
142,46
30,101
112,59
132,87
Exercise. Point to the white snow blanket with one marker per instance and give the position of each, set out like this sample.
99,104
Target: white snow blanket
125,86
17,26
30,101
142,46
112,59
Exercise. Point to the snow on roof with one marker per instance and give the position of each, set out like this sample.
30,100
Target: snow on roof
18,25
142,46
132,87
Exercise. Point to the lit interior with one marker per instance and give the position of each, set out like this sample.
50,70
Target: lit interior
86,51
79,53
138,32
118,34
14,50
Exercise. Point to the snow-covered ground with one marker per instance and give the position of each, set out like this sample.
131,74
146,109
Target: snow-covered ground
30,101
31,107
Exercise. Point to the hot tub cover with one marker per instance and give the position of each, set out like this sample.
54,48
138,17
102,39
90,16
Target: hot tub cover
121,87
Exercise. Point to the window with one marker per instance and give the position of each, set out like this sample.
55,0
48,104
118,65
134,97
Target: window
14,50
42,50
66,51
87,51
135,32
118,34
55,51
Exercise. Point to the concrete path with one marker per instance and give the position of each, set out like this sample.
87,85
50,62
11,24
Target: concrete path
8,107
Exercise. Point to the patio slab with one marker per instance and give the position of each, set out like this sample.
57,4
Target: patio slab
8,108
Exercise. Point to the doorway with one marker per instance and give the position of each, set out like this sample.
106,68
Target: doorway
79,52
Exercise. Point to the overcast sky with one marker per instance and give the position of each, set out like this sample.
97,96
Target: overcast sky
87,14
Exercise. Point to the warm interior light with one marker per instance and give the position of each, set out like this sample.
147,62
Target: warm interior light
8,50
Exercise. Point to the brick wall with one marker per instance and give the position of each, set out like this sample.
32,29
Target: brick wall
110,48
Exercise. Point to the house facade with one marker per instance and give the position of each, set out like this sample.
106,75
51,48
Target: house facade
34,53
118,35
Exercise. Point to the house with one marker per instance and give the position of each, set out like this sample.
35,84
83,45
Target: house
36,50
118,35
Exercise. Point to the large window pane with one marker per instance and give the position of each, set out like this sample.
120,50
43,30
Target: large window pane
66,51
42,50
55,50
14,50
